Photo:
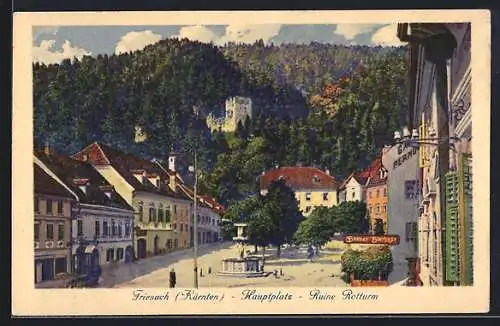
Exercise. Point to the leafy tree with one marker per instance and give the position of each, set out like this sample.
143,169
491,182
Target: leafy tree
285,215
317,228
349,217
261,228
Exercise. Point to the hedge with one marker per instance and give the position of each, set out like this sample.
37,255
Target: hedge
374,263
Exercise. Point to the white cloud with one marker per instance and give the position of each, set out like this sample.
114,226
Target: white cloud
238,33
197,33
387,36
249,33
44,54
350,31
134,41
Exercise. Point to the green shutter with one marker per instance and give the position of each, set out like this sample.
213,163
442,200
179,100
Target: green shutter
452,240
467,184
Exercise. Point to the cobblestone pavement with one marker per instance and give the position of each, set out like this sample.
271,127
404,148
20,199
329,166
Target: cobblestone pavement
297,270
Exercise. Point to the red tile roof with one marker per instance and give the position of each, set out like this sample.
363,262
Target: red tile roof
128,164
367,177
76,173
299,178
46,185
374,172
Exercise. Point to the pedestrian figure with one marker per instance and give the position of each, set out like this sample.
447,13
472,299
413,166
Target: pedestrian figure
201,272
281,272
209,270
275,272
172,279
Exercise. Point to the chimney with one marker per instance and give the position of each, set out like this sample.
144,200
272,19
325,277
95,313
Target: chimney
172,183
171,161
327,171
144,177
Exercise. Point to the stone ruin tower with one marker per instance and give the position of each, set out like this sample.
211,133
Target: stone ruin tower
237,109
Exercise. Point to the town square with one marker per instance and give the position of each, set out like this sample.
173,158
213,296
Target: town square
217,156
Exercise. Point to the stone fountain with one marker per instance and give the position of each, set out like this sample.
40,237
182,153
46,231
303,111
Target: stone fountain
242,265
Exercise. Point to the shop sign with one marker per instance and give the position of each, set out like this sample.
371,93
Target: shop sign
391,240
404,156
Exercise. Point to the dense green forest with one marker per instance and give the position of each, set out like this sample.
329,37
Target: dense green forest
319,104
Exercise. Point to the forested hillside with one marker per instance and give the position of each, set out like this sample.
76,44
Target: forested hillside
327,105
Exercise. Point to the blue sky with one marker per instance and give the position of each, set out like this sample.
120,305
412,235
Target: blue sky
52,44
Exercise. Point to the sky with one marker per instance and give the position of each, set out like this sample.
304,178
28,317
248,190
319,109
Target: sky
52,44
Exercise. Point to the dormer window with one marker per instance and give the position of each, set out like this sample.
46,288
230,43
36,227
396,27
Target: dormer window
281,177
316,179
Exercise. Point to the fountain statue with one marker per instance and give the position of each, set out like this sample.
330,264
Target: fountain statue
242,265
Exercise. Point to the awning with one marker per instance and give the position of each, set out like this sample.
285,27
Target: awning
89,249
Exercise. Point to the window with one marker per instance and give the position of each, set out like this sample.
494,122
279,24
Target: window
410,189
176,243
370,209
169,243
411,231
369,194
175,209
385,192
160,214
378,193
79,227
113,228
37,205
119,254
353,194
61,265
127,229
325,196
49,206
120,231
182,227
384,209
60,232
105,229
110,254
167,215
308,209
308,196
141,212
316,179
59,207
378,209
97,228
151,214
37,231
50,231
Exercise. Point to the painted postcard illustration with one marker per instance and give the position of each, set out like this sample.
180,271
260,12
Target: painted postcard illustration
198,156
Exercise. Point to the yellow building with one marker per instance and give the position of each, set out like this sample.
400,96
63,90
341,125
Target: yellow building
312,186
161,222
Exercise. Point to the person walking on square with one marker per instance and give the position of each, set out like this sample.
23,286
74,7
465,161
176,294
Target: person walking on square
172,278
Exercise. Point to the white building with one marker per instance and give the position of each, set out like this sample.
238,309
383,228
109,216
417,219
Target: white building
402,188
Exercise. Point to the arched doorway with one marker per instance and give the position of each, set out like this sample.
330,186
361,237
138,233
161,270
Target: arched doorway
156,245
129,254
141,248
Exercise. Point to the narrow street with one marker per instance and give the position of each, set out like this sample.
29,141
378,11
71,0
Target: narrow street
297,270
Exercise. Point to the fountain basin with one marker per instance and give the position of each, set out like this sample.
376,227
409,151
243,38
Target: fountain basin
242,267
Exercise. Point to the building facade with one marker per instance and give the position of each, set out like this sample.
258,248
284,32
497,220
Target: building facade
377,198
403,179
312,187
237,109
102,220
145,187
440,74
53,204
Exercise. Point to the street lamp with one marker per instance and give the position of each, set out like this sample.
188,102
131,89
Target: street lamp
193,169
413,139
